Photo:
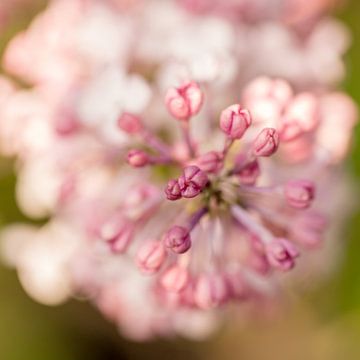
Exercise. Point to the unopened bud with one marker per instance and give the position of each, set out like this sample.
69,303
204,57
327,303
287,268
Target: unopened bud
184,101
234,121
266,143
299,193
178,239
137,158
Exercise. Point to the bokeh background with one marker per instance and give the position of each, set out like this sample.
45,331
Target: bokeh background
324,324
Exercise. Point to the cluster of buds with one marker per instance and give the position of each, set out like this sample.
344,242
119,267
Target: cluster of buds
222,187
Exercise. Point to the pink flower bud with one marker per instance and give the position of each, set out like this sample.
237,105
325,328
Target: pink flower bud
173,191
256,258
66,123
139,194
192,181
150,257
184,101
175,278
238,287
137,158
301,116
130,123
281,254
210,162
234,121
308,229
299,193
117,232
264,87
178,239
210,291
266,143
249,173
266,98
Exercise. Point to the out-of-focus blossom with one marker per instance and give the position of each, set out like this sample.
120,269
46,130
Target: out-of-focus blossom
176,180
9,8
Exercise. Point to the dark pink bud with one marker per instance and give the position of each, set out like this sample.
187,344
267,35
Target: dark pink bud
184,101
192,181
150,257
175,278
281,254
234,121
211,291
137,158
266,143
211,162
178,239
130,123
173,191
300,193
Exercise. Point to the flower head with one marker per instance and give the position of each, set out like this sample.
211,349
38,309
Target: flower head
211,209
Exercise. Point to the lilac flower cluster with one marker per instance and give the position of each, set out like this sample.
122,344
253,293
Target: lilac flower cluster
183,162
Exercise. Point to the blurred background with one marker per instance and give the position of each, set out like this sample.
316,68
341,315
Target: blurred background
325,324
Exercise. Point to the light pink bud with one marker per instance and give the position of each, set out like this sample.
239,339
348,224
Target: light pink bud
175,278
308,229
178,239
150,257
210,162
210,291
187,293
192,181
264,87
301,116
281,254
130,123
137,158
139,194
173,191
266,98
184,101
266,143
66,123
256,258
234,121
238,287
249,173
258,262
117,232
299,193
